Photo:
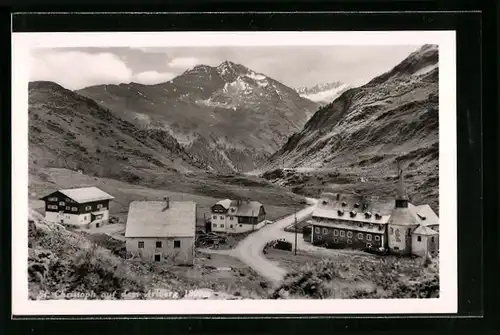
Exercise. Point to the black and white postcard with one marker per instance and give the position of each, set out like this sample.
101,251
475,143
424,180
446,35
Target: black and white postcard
234,173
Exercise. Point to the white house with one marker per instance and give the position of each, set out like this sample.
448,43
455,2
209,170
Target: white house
86,206
237,216
162,230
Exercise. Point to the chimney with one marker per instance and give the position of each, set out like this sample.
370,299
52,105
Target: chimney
401,199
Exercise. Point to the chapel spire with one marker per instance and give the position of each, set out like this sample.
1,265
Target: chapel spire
402,198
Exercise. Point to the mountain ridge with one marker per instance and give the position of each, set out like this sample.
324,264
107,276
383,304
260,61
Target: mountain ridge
230,117
394,116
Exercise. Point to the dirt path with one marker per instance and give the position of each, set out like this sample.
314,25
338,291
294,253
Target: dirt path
249,250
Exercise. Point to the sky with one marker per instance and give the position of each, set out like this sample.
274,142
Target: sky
294,66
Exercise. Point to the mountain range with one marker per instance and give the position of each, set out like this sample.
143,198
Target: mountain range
229,117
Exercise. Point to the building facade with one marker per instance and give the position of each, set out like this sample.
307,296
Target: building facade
162,231
87,206
369,223
237,216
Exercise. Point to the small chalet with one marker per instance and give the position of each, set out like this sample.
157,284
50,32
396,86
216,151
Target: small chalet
237,216
86,206
162,230
352,221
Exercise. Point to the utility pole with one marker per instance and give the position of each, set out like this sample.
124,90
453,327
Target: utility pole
295,209
253,222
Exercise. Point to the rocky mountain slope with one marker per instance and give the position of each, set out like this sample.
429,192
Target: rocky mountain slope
367,128
72,131
229,116
323,93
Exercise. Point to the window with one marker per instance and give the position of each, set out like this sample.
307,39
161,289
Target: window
214,217
231,226
419,238
325,231
140,244
360,236
222,225
222,218
67,208
316,230
177,244
157,257
368,245
335,232
52,199
432,239
241,226
158,244
88,208
349,241
349,234
335,240
392,230
61,203
52,206
377,238
99,206
368,237
215,225
74,209
396,248
230,218
342,233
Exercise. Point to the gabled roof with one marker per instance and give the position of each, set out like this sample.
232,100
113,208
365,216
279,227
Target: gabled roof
423,230
154,219
244,208
225,203
424,215
84,194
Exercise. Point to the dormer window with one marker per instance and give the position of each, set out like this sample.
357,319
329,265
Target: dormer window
353,213
378,216
368,215
379,227
325,202
356,205
344,203
340,212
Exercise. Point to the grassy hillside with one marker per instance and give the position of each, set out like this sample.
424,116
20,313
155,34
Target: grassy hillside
355,275
70,131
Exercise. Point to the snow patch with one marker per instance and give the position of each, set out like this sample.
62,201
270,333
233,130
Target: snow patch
328,95
255,76
425,69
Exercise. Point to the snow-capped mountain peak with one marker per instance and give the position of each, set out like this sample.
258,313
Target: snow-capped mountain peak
323,93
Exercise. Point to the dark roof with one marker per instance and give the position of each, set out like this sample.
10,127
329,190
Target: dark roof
83,194
244,208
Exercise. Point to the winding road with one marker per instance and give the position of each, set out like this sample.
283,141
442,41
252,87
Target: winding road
249,250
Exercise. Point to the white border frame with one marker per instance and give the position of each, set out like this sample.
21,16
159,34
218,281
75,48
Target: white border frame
22,43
